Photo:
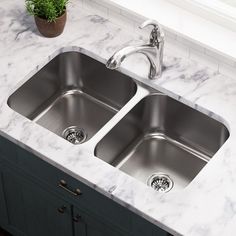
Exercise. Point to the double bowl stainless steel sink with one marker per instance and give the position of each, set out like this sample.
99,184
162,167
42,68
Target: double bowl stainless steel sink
148,135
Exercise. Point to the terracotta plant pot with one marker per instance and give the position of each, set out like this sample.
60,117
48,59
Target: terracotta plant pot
51,29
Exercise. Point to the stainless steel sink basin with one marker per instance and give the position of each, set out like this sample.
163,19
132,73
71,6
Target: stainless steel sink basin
162,142
73,96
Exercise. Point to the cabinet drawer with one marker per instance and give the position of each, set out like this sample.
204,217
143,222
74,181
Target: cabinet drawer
89,200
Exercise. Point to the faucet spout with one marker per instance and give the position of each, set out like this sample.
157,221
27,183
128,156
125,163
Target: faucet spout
153,51
150,51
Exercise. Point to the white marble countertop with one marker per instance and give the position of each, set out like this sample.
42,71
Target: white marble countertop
207,206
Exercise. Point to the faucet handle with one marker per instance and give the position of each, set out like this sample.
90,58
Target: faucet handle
157,35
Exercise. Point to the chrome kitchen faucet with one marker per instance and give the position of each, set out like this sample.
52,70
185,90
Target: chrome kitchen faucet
153,51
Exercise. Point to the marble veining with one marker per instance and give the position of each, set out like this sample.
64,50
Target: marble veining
203,207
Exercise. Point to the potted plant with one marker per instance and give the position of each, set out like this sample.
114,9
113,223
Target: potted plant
49,15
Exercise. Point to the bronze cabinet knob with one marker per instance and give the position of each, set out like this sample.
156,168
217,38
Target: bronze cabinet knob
61,209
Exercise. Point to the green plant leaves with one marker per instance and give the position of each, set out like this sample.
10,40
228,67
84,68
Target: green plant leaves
46,9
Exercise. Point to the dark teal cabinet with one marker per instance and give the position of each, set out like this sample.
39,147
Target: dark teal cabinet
3,210
86,225
33,202
53,213
33,211
13,194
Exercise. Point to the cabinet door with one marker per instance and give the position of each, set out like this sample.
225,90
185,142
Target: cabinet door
143,227
3,211
86,225
32,210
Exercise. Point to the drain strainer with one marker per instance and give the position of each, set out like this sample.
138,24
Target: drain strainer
74,135
160,182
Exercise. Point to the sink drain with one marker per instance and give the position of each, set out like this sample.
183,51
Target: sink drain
160,182
74,135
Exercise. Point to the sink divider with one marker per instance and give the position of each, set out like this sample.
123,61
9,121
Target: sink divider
140,94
